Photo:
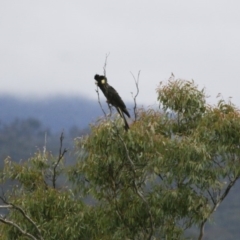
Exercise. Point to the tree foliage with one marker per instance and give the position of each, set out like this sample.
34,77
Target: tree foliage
169,172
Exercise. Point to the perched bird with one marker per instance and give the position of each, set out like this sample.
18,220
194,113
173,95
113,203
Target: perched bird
113,97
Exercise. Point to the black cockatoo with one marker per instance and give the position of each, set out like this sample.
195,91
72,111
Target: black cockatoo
113,97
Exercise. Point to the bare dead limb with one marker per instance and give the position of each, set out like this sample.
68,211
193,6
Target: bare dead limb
19,209
100,103
60,156
45,145
135,97
105,74
105,65
5,206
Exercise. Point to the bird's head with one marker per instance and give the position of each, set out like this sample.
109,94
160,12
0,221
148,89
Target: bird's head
100,80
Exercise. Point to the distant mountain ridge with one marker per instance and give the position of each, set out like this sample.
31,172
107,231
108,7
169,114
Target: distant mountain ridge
62,113
58,113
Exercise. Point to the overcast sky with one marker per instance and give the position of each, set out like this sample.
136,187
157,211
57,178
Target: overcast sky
56,47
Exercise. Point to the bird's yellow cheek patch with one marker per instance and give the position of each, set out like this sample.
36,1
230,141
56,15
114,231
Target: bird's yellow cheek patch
103,81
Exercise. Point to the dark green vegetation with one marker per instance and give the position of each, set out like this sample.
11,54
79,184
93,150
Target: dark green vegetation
163,179
21,139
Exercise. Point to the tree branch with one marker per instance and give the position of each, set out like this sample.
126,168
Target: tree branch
211,197
216,205
105,74
226,192
19,209
135,186
60,156
135,97
105,65
5,206
18,227
100,102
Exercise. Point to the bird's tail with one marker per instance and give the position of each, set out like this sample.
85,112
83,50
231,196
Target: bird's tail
126,126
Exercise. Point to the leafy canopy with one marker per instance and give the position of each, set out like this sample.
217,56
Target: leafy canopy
169,172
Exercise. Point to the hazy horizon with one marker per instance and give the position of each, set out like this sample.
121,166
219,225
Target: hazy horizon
53,48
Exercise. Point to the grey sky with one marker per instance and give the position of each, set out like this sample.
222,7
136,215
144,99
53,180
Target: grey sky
55,47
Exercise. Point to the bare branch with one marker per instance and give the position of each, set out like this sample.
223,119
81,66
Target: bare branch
18,227
19,209
105,74
45,145
217,163
229,177
5,206
60,156
100,103
226,192
105,65
211,197
135,97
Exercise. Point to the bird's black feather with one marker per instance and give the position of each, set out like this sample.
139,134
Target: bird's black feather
113,97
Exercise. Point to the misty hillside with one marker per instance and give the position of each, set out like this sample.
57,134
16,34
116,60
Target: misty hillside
24,123
57,113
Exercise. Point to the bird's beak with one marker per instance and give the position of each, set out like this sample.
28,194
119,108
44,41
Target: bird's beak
96,82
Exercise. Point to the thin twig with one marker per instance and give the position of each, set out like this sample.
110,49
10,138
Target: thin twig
100,103
219,165
60,156
105,74
211,197
45,145
135,97
229,178
110,108
105,65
